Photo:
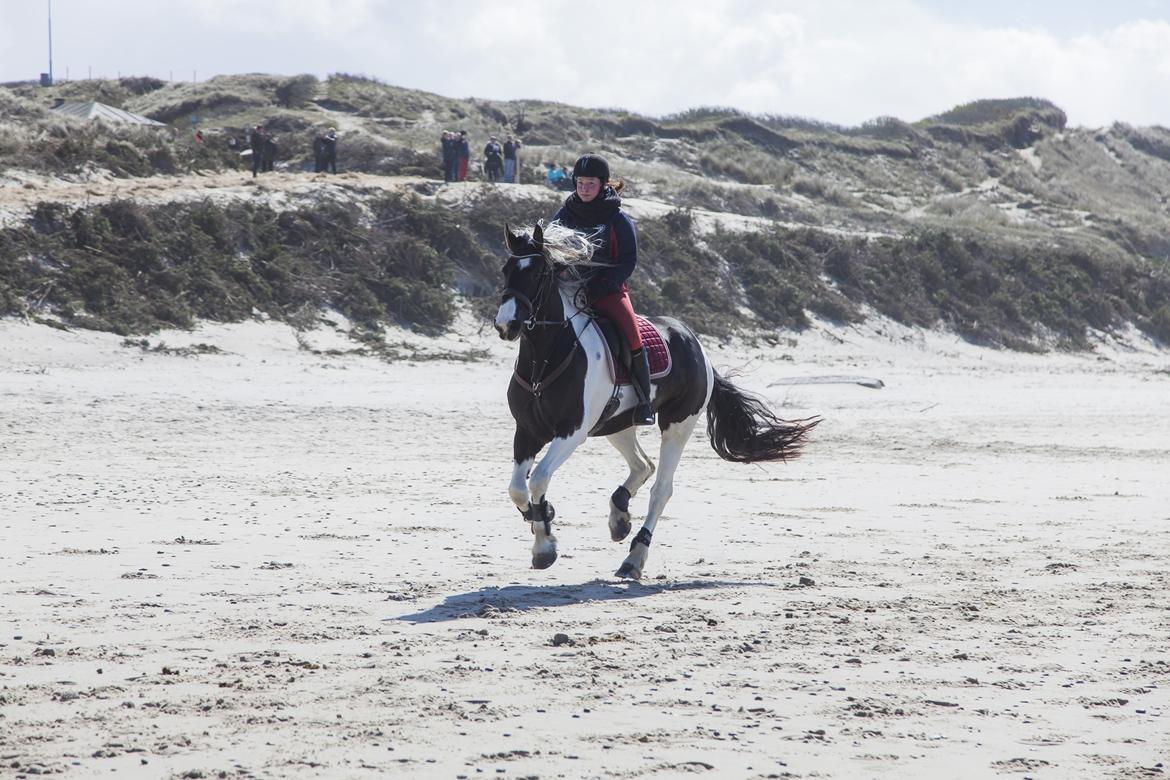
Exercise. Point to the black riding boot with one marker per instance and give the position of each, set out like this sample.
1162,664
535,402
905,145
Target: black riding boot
640,374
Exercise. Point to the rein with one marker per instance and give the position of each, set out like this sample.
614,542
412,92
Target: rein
539,380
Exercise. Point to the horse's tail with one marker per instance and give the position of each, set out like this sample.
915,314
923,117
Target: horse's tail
742,428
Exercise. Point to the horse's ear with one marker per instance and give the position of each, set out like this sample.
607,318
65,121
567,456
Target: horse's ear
538,235
510,238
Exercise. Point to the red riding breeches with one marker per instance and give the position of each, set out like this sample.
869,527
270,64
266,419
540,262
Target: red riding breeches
616,306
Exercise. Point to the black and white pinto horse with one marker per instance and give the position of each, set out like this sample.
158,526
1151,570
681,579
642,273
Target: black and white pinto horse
563,391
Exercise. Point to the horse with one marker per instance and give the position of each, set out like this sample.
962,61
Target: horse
563,390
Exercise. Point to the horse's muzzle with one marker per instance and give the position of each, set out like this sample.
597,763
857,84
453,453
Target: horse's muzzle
509,331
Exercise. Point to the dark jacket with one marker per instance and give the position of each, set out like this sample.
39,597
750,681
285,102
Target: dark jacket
619,245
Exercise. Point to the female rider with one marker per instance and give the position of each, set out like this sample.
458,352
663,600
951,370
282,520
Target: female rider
594,208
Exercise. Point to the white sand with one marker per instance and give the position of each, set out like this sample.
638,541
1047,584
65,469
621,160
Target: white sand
273,563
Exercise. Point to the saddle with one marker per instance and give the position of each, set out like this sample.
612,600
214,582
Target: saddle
615,344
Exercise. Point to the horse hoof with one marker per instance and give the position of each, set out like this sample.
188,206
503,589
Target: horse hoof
619,529
544,560
628,572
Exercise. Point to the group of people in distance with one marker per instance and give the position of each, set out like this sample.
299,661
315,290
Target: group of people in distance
263,148
499,160
557,176
325,152
456,155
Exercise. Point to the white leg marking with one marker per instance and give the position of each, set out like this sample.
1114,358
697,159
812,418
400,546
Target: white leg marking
558,452
641,467
518,487
544,548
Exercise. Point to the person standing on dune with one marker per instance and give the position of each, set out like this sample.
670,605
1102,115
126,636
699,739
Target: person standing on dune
511,146
329,151
463,149
256,142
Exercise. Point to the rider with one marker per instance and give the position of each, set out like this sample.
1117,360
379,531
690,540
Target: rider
595,209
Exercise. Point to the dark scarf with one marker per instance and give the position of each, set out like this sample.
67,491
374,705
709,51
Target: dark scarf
598,211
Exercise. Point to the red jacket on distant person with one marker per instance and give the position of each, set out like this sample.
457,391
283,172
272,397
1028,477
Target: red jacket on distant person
463,149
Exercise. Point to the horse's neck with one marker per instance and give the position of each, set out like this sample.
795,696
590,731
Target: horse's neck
569,308
562,305
557,308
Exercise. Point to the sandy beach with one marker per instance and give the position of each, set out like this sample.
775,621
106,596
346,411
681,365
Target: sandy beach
271,560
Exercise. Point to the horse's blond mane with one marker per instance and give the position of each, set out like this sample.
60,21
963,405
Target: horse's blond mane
569,250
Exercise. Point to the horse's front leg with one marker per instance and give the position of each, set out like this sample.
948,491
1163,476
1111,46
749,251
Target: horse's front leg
541,512
529,487
524,449
518,487
539,516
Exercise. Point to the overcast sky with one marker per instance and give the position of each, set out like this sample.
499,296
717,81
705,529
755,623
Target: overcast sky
841,61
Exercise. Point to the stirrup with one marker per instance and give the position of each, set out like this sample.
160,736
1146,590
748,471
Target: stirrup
643,414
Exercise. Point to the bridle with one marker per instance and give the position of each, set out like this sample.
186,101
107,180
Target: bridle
543,287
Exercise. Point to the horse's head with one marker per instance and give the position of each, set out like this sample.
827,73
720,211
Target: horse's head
527,281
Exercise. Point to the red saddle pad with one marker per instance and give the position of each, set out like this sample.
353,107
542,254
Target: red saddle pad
656,350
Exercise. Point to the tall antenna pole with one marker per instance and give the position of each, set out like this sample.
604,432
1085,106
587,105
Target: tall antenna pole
50,41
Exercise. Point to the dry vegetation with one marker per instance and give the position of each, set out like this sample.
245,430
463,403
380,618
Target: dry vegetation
992,219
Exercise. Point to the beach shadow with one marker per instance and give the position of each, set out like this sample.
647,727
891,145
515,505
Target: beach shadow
496,601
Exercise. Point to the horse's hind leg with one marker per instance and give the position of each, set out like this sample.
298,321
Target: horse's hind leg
674,440
641,468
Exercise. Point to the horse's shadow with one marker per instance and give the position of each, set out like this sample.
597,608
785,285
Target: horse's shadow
498,601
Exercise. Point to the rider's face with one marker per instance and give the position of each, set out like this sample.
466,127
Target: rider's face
588,187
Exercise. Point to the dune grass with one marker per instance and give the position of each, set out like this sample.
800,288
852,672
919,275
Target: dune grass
992,219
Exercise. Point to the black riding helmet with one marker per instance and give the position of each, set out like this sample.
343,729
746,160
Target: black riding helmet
591,165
